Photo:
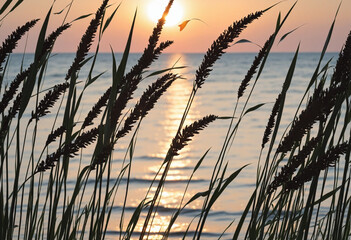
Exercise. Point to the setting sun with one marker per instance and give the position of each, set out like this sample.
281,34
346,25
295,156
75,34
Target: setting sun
156,8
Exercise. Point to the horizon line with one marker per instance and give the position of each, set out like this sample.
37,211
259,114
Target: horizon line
182,52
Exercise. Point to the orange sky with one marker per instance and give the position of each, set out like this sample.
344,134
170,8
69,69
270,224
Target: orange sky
315,15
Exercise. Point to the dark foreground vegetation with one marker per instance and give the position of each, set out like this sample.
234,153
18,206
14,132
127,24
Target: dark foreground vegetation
293,169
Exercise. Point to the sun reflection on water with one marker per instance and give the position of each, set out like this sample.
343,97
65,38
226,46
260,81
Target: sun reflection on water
159,226
176,100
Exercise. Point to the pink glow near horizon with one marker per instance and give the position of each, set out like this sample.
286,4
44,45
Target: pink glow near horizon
316,17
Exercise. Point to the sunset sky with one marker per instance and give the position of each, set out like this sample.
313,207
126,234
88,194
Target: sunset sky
316,17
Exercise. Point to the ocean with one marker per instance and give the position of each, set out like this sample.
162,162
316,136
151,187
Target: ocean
217,96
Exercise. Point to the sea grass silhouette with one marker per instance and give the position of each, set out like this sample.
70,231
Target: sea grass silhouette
96,110
103,155
70,150
313,169
218,46
51,39
88,137
49,161
82,141
288,170
80,215
86,41
132,79
141,109
271,121
183,137
48,101
11,41
55,134
11,91
162,47
47,46
322,101
255,65
130,82
318,108
342,71
149,54
5,123
147,102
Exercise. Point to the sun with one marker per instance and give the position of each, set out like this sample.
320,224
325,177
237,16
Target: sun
156,8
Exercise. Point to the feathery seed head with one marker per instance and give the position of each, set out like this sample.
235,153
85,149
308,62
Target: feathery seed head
49,100
218,46
313,169
288,170
11,42
262,53
271,121
96,110
86,41
182,138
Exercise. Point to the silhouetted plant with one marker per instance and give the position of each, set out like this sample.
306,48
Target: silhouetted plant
218,46
48,101
289,169
86,41
313,169
263,52
55,134
11,41
271,121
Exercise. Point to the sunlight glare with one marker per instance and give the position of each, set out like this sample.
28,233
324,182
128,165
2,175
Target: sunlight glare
156,8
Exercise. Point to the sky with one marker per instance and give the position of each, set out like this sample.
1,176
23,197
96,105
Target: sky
313,17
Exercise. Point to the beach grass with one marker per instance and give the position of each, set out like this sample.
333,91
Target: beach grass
290,200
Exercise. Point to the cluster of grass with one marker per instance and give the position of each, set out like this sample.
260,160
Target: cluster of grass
293,170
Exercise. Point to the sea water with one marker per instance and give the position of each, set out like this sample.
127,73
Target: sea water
217,96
